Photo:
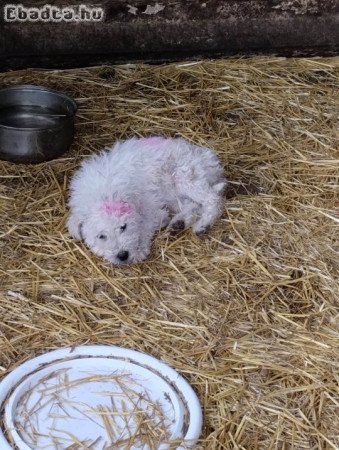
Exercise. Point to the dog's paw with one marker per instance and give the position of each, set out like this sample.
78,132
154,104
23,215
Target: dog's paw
220,188
177,225
199,229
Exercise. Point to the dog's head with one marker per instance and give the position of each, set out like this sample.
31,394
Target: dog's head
114,230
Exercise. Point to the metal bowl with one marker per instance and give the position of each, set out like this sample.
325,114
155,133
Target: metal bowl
36,123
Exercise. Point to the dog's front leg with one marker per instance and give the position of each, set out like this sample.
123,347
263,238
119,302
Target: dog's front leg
164,217
186,215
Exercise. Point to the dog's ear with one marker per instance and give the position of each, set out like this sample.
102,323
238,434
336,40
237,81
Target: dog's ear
74,225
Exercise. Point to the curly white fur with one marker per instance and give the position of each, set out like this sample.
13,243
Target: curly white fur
121,197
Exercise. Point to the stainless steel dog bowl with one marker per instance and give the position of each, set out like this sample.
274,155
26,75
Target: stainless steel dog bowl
36,123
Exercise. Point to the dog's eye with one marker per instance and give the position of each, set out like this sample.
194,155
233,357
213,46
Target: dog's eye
103,237
123,227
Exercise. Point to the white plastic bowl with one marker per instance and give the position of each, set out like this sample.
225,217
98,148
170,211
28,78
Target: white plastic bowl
97,394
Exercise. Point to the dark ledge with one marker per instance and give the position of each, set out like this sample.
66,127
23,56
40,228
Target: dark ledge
165,30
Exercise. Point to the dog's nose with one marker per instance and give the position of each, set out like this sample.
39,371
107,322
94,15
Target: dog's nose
123,255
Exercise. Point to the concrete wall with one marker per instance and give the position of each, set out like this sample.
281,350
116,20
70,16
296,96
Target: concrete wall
164,30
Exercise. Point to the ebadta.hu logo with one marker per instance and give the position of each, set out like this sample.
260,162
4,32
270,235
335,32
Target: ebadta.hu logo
51,13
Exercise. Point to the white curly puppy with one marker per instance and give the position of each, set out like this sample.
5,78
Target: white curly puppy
121,197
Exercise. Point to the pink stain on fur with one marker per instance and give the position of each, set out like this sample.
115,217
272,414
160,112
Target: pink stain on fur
117,209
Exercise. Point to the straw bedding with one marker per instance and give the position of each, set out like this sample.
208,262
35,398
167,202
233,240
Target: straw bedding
248,313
